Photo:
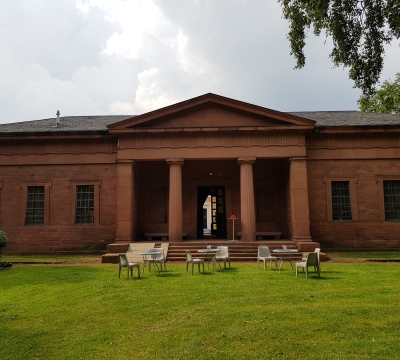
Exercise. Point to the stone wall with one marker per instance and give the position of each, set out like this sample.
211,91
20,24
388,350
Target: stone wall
369,230
59,231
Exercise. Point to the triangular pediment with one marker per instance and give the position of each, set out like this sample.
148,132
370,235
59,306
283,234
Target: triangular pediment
211,111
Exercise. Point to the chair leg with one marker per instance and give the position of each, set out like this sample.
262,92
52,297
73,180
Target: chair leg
296,270
119,272
203,267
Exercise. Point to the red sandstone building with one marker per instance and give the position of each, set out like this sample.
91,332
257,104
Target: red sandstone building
327,177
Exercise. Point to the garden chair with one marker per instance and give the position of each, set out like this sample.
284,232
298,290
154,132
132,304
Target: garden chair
311,260
223,255
317,250
157,258
191,260
123,262
264,254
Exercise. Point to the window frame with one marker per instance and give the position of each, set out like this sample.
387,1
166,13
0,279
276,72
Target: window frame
353,198
381,195
96,214
1,187
24,197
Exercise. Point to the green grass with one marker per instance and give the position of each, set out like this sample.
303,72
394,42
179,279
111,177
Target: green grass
86,312
53,258
366,255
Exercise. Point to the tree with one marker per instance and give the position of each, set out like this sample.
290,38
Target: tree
359,30
385,100
3,241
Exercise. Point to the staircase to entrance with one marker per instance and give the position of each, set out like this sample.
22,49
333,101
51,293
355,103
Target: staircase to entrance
239,251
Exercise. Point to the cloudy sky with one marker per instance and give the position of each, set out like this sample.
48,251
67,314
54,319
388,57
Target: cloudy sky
95,57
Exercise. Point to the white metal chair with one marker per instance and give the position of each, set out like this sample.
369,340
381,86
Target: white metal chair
123,262
264,254
223,255
317,250
311,260
157,258
191,260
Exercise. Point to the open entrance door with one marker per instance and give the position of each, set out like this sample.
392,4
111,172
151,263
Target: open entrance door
217,213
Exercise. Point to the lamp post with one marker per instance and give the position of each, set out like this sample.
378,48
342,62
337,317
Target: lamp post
233,218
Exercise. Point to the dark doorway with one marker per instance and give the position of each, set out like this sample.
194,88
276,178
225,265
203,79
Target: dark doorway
218,212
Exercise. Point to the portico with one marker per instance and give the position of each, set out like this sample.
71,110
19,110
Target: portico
255,156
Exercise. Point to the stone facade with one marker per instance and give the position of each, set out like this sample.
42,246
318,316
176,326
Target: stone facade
273,170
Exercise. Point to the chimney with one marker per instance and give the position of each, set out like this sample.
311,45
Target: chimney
58,117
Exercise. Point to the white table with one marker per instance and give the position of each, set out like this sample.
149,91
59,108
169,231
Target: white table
152,254
285,253
207,254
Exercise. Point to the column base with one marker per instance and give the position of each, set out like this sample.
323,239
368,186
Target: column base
308,246
123,241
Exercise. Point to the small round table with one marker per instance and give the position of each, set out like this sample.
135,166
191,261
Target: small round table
152,254
285,253
207,254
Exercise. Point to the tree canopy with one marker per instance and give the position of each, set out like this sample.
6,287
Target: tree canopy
359,30
385,100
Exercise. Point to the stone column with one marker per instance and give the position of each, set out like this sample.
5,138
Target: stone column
247,206
299,210
175,216
125,201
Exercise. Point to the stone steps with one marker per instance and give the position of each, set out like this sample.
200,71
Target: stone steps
239,251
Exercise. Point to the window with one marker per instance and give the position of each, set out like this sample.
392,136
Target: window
1,186
85,199
84,211
341,204
35,205
341,199
391,196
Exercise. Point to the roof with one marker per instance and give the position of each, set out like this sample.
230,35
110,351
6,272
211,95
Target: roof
98,123
349,118
67,124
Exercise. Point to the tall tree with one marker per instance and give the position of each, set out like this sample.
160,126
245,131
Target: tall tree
359,30
385,100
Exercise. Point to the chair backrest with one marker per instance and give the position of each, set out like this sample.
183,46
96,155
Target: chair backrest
263,251
317,250
312,259
224,251
189,257
123,260
130,253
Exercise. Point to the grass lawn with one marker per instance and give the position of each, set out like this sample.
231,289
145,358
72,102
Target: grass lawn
86,312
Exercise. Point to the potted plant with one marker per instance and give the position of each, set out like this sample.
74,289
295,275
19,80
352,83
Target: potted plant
3,244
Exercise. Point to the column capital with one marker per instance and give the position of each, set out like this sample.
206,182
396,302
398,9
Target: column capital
176,161
125,161
298,158
246,160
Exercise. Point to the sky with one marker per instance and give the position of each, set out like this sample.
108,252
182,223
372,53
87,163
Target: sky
117,57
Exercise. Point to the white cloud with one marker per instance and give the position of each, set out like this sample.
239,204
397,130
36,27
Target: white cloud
130,56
